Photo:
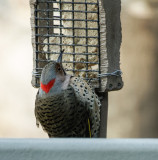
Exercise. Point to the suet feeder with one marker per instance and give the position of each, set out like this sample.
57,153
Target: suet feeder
89,32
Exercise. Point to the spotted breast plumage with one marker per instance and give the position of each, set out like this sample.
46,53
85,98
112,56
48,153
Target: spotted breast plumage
66,106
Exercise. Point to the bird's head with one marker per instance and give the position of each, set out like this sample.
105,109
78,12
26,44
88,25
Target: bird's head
53,76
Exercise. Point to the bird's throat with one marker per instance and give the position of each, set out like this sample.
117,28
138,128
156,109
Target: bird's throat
46,87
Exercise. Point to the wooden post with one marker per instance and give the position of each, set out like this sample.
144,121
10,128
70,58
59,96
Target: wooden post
103,114
110,41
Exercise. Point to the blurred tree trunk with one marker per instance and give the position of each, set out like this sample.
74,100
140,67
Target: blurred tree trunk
136,106
148,112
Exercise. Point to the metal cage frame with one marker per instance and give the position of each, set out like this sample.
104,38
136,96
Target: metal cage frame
44,14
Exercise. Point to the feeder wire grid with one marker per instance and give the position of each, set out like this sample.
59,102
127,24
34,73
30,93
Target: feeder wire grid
71,26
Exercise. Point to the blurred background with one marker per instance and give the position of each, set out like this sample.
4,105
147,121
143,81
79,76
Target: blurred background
133,111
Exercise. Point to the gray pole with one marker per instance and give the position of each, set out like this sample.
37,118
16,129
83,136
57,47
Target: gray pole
103,114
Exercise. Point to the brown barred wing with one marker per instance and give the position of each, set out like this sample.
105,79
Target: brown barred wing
87,97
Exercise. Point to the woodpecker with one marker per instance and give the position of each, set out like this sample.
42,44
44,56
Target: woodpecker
66,106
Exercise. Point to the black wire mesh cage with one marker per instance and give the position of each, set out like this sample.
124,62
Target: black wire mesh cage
72,26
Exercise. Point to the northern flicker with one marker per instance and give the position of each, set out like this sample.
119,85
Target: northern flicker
66,106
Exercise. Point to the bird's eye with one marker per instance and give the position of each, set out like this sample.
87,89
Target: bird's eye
59,69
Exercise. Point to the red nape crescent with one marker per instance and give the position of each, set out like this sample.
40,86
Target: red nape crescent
46,87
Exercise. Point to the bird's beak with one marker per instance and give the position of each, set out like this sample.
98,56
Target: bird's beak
59,60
